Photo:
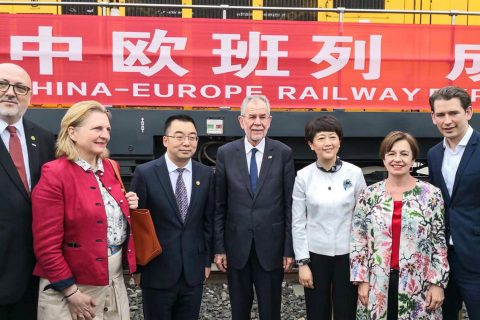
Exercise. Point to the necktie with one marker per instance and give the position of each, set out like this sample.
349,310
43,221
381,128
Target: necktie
253,170
181,195
17,155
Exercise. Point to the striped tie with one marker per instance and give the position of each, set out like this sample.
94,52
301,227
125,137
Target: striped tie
181,195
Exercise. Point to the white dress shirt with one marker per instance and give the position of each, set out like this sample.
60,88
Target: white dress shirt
322,209
23,142
258,156
451,161
187,175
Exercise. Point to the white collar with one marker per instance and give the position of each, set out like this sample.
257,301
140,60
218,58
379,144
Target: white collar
18,125
171,167
260,147
86,166
462,142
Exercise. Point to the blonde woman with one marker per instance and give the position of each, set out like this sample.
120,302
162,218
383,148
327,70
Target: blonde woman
81,223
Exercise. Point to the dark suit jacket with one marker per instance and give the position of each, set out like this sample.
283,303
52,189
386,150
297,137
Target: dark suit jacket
16,247
462,209
266,216
186,247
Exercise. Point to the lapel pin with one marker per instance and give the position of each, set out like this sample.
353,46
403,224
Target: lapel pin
34,145
269,157
197,183
33,138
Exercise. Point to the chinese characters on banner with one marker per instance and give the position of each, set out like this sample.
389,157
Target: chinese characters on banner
212,63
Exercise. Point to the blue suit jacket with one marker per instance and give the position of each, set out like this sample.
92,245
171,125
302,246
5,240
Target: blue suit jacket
266,215
186,246
462,208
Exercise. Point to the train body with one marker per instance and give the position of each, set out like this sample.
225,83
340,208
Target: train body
137,129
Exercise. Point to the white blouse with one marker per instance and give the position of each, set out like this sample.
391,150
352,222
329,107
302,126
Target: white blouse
322,210
116,222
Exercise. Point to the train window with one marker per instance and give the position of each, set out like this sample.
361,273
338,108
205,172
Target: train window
290,15
152,11
359,4
218,13
84,10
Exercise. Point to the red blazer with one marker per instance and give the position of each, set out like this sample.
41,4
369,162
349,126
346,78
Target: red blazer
70,223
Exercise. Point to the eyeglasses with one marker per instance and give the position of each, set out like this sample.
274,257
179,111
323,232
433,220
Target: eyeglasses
19,89
182,137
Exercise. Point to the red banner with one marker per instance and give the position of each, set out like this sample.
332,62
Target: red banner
216,63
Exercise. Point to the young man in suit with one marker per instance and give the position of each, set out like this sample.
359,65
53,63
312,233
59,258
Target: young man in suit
253,218
454,167
24,147
180,195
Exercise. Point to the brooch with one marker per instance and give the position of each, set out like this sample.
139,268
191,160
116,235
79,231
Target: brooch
347,184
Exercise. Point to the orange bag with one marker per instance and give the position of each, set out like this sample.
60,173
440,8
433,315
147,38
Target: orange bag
145,238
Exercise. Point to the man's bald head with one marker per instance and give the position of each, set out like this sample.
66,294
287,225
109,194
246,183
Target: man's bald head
13,105
19,71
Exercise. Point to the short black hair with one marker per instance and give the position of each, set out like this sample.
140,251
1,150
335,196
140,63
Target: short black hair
179,117
326,123
448,93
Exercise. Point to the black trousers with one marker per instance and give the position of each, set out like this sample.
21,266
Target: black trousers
181,302
268,287
332,288
26,307
392,307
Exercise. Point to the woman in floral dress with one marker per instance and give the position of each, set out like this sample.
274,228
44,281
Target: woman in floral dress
398,253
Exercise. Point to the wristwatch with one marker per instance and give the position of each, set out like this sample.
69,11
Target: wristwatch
302,262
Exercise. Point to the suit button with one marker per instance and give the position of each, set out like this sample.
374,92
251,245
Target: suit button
105,309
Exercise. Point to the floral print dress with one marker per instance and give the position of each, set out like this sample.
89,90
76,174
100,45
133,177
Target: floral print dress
423,251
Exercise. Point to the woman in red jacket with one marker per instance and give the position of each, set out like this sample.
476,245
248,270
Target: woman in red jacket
81,223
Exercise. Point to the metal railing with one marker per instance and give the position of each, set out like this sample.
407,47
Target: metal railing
341,11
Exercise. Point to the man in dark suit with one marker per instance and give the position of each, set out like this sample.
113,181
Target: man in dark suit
180,194
253,218
454,167
23,149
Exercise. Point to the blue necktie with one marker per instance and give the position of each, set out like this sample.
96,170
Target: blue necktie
253,170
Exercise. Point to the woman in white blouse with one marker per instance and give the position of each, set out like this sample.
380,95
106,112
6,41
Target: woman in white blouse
324,198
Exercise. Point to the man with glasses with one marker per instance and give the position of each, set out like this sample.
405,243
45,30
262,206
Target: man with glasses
24,147
180,195
253,215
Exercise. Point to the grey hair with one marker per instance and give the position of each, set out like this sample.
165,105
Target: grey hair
248,99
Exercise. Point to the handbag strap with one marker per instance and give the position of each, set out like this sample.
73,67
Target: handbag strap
117,174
